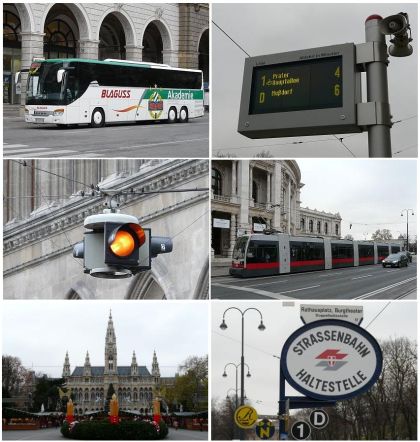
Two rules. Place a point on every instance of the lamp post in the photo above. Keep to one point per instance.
(236, 378)
(261, 327)
(402, 214)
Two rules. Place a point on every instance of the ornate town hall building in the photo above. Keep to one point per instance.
(134, 385)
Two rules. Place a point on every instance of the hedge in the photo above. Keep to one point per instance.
(104, 430)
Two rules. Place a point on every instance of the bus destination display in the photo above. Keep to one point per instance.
(296, 86)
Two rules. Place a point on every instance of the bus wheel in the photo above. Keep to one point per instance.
(98, 118)
(172, 115)
(183, 115)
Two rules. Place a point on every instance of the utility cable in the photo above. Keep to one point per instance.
(389, 302)
(341, 141)
(230, 38)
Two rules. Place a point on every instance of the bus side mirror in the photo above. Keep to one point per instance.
(60, 74)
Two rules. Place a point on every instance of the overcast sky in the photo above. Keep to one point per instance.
(397, 320)
(369, 194)
(261, 28)
(40, 332)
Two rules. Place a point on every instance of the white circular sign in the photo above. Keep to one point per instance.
(319, 419)
(331, 360)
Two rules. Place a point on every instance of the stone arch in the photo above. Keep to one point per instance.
(202, 288)
(82, 19)
(165, 35)
(26, 17)
(203, 58)
(79, 290)
(126, 22)
(146, 285)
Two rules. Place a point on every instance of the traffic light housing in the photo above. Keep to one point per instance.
(116, 246)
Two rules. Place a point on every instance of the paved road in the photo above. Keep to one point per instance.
(54, 434)
(366, 282)
(143, 140)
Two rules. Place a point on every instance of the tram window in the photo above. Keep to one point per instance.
(239, 250)
(365, 251)
(395, 249)
(342, 250)
(383, 250)
(306, 251)
(260, 252)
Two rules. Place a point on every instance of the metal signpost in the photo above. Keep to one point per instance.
(318, 91)
(326, 361)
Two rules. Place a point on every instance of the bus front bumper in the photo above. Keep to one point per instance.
(48, 118)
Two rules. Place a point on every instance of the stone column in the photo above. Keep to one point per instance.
(233, 193)
(171, 58)
(251, 170)
(268, 188)
(277, 196)
(232, 233)
(133, 52)
(89, 49)
(32, 46)
(243, 192)
(289, 207)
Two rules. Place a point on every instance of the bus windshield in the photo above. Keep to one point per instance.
(239, 250)
(43, 87)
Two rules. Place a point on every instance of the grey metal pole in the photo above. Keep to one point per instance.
(379, 135)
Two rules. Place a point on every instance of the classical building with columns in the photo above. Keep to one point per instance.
(253, 195)
(176, 34)
(47, 201)
(134, 385)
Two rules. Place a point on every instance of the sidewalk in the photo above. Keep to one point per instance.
(220, 266)
(11, 110)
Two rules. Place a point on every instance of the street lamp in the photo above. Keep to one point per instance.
(236, 378)
(402, 214)
(261, 327)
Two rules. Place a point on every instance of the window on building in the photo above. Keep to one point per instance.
(255, 191)
(11, 27)
(302, 224)
(216, 182)
(59, 41)
(326, 228)
(336, 229)
(318, 227)
(311, 226)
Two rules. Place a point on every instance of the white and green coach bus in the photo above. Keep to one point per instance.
(76, 91)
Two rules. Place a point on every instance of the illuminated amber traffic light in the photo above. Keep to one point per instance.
(123, 244)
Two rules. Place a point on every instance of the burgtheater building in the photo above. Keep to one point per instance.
(47, 201)
(176, 34)
(134, 385)
(253, 195)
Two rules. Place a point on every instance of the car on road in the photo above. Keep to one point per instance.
(408, 255)
(396, 260)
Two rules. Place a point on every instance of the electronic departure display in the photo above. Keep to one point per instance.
(303, 85)
(313, 91)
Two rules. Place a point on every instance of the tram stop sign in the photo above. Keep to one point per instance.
(245, 416)
(265, 429)
(300, 430)
(307, 92)
(319, 419)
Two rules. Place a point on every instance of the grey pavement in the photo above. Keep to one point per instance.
(365, 282)
(126, 140)
(54, 434)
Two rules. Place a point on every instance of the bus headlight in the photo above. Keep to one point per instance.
(58, 112)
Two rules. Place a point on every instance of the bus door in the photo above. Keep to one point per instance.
(284, 252)
(327, 253)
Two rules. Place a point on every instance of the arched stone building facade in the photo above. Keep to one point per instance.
(43, 218)
(176, 34)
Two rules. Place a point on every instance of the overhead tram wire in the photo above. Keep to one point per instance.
(389, 302)
(230, 38)
(341, 141)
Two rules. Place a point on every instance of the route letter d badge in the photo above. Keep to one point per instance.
(245, 416)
